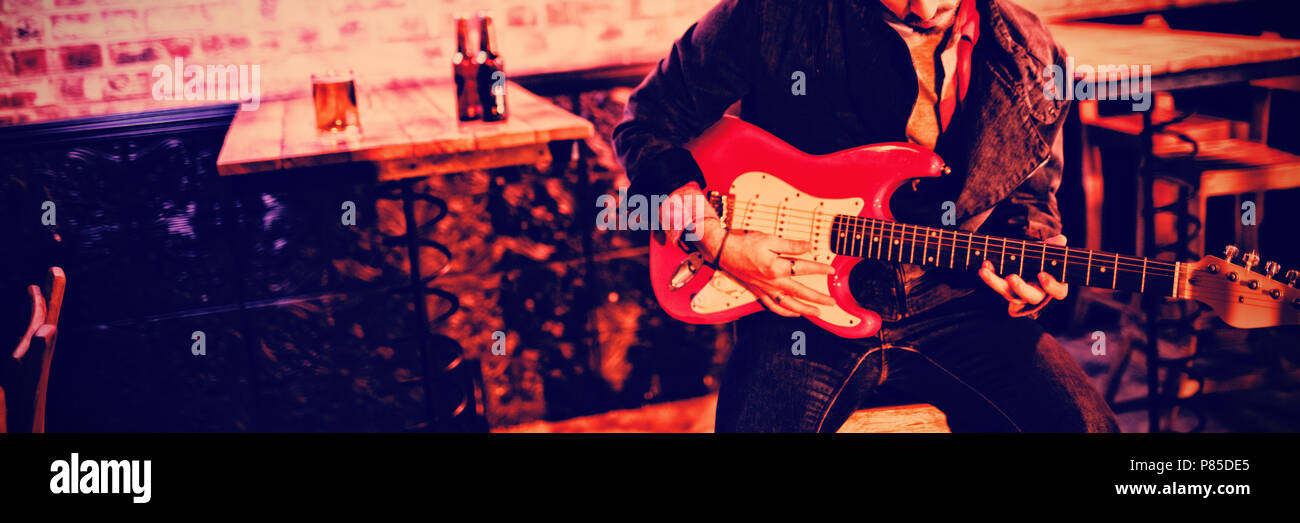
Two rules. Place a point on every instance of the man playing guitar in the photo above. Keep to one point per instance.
(960, 77)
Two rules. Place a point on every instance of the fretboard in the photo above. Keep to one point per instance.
(928, 246)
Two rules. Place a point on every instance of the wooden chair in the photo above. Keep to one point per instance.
(25, 373)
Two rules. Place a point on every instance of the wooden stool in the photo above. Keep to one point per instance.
(1235, 167)
(918, 417)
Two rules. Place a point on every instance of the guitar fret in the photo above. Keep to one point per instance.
(969, 248)
(884, 242)
(874, 239)
(855, 247)
(855, 233)
(867, 231)
(866, 238)
(952, 258)
(1003, 259)
(896, 238)
(1065, 262)
(1087, 279)
(1144, 276)
(848, 236)
(843, 233)
(1114, 276)
(911, 257)
(902, 237)
(888, 240)
(881, 241)
(925, 249)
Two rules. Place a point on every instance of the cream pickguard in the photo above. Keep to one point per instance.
(790, 222)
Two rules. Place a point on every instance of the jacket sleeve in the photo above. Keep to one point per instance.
(709, 68)
(1030, 210)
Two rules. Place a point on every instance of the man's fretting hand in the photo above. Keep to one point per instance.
(1025, 298)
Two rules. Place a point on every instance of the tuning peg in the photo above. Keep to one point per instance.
(1291, 277)
(1272, 268)
(1250, 260)
(1230, 252)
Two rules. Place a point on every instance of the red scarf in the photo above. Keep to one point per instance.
(967, 28)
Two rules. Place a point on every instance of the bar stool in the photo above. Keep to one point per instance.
(25, 374)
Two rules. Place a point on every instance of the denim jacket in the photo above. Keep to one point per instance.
(859, 84)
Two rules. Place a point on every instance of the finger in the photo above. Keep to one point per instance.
(1056, 240)
(998, 285)
(793, 305)
(803, 292)
(800, 307)
(805, 267)
(772, 306)
(1014, 307)
(1053, 287)
(1025, 291)
(784, 246)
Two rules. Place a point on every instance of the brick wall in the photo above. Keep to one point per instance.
(64, 58)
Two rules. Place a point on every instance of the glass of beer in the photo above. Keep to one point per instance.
(335, 96)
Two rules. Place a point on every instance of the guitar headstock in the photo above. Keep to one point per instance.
(1242, 297)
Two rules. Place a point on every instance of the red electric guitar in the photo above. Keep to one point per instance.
(840, 204)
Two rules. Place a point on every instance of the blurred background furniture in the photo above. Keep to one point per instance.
(1161, 167)
(25, 373)
(411, 133)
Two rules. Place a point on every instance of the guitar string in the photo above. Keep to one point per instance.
(1074, 255)
(938, 243)
(988, 248)
(1256, 300)
(859, 222)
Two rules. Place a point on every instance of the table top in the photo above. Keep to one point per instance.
(1167, 51)
(1061, 10)
(398, 124)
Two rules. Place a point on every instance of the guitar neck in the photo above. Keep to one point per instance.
(928, 246)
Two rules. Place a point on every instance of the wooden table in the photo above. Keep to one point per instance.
(1179, 59)
(409, 133)
(1062, 10)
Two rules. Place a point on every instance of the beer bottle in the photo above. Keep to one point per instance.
(491, 73)
(464, 70)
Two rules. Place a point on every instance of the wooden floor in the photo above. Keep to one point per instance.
(696, 416)
(684, 416)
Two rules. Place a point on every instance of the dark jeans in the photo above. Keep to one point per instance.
(987, 371)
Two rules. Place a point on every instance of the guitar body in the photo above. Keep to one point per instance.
(792, 195)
